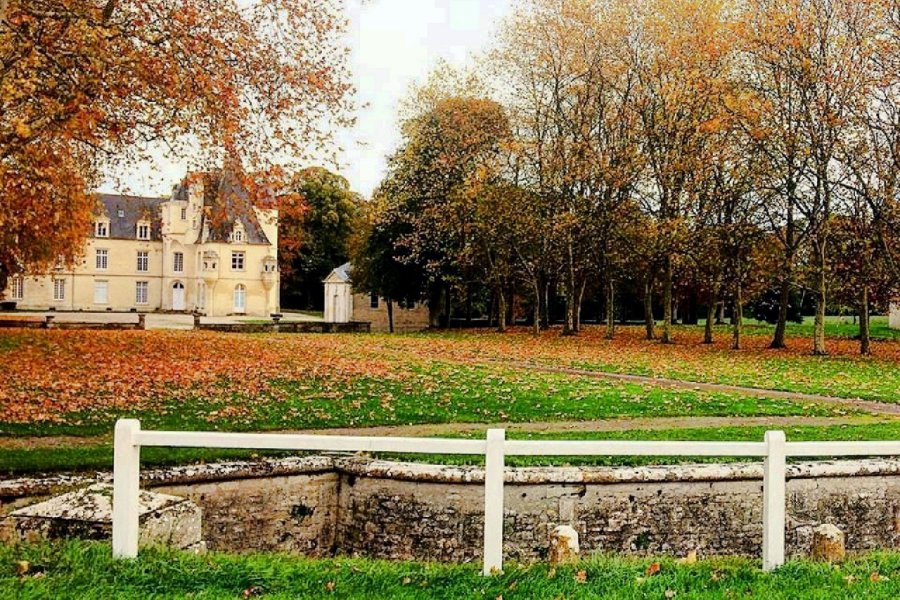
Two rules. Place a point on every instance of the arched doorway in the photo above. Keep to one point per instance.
(240, 298)
(178, 296)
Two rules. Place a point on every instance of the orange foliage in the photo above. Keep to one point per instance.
(90, 84)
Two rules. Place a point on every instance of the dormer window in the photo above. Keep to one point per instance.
(101, 229)
(237, 232)
(121, 213)
(143, 231)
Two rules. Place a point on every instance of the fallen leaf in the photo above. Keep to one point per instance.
(653, 569)
(581, 576)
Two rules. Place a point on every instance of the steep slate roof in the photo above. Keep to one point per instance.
(343, 272)
(226, 200)
(134, 209)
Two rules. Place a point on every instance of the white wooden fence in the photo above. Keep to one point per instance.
(774, 449)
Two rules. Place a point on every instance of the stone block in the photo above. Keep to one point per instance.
(87, 514)
(828, 543)
(564, 547)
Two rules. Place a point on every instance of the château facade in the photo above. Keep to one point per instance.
(207, 248)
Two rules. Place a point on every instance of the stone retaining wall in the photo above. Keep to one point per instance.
(350, 505)
(287, 327)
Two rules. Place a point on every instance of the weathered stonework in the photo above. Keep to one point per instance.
(87, 514)
(325, 505)
(295, 514)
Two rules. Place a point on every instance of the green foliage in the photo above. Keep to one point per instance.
(323, 233)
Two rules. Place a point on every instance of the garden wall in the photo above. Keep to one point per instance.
(325, 505)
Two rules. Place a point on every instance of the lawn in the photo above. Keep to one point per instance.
(86, 571)
(76, 383)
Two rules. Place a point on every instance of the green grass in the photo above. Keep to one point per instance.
(441, 393)
(99, 456)
(309, 313)
(835, 326)
(86, 571)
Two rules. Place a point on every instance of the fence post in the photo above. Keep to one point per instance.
(126, 488)
(493, 501)
(773, 501)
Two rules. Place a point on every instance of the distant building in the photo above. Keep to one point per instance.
(343, 305)
(894, 315)
(206, 248)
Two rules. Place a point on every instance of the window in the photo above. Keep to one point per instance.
(18, 288)
(373, 300)
(237, 261)
(143, 261)
(240, 298)
(184, 214)
(59, 290)
(101, 292)
(102, 260)
(141, 292)
(121, 213)
(101, 229)
(201, 294)
(143, 231)
(179, 262)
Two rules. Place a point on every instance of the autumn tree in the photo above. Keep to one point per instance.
(437, 182)
(379, 265)
(681, 53)
(570, 91)
(90, 85)
(811, 64)
(866, 260)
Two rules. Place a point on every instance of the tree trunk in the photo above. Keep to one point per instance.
(468, 305)
(710, 316)
(447, 307)
(819, 331)
(738, 320)
(864, 341)
(783, 303)
(536, 326)
(569, 324)
(578, 303)
(501, 310)
(666, 337)
(649, 323)
(545, 313)
(610, 309)
(390, 310)
(720, 313)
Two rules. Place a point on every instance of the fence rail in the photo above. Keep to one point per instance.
(774, 449)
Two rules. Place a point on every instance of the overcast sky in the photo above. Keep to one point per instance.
(395, 43)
